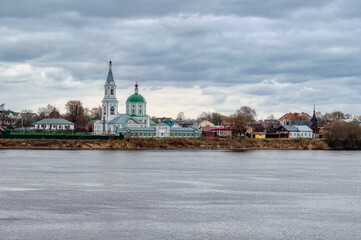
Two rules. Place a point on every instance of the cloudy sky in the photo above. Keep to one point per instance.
(208, 55)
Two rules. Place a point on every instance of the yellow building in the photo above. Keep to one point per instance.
(205, 123)
(258, 135)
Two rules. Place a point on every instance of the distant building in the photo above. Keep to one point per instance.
(205, 123)
(188, 123)
(295, 131)
(162, 119)
(27, 119)
(50, 124)
(290, 118)
(217, 131)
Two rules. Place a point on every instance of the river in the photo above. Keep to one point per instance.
(180, 194)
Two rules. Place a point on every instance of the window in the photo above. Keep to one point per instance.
(105, 111)
(140, 111)
(112, 110)
(112, 91)
(133, 111)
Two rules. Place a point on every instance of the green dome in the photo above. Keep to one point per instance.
(136, 98)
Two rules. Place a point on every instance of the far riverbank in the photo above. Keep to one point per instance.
(167, 144)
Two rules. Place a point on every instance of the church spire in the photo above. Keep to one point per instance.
(110, 73)
(136, 85)
(314, 118)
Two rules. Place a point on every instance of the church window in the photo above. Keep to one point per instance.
(111, 110)
(140, 111)
(133, 111)
(112, 91)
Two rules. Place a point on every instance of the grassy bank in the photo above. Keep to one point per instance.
(167, 143)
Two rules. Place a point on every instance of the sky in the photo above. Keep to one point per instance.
(274, 56)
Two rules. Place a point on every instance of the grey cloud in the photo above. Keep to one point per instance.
(187, 44)
(144, 8)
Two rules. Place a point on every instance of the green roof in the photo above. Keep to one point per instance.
(136, 98)
(169, 123)
(54, 121)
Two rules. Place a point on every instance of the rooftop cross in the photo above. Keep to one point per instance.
(136, 85)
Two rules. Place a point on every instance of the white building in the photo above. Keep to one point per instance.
(300, 131)
(50, 124)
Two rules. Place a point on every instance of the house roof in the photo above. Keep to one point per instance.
(290, 128)
(257, 127)
(303, 122)
(184, 129)
(292, 116)
(169, 123)
(187, 122)
(55, 121)
(123, 118)
(304, 128)
(207, 129)
(137, 129)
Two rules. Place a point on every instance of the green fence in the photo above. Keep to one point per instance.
(57, 136)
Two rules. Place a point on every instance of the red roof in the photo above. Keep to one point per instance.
(208, 129)
(293, 115)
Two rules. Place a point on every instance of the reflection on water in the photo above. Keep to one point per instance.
(180, 195)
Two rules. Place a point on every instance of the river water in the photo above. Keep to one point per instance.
(180, 195)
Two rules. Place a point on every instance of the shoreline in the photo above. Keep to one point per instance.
(236, 144)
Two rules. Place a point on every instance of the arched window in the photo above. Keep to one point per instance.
(133, 111)
(105, 111)
(111, 110)
(140, 111)
(112, 91)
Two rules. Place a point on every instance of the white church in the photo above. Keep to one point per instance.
(135, 122)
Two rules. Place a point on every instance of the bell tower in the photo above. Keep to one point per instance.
(110, 102)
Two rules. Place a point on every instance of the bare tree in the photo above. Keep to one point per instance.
(96, 113)
(76, 113)
(48, 112)
(271, 116)
(214, 117)
(243, 117)
(343, 135)
(181, 116)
